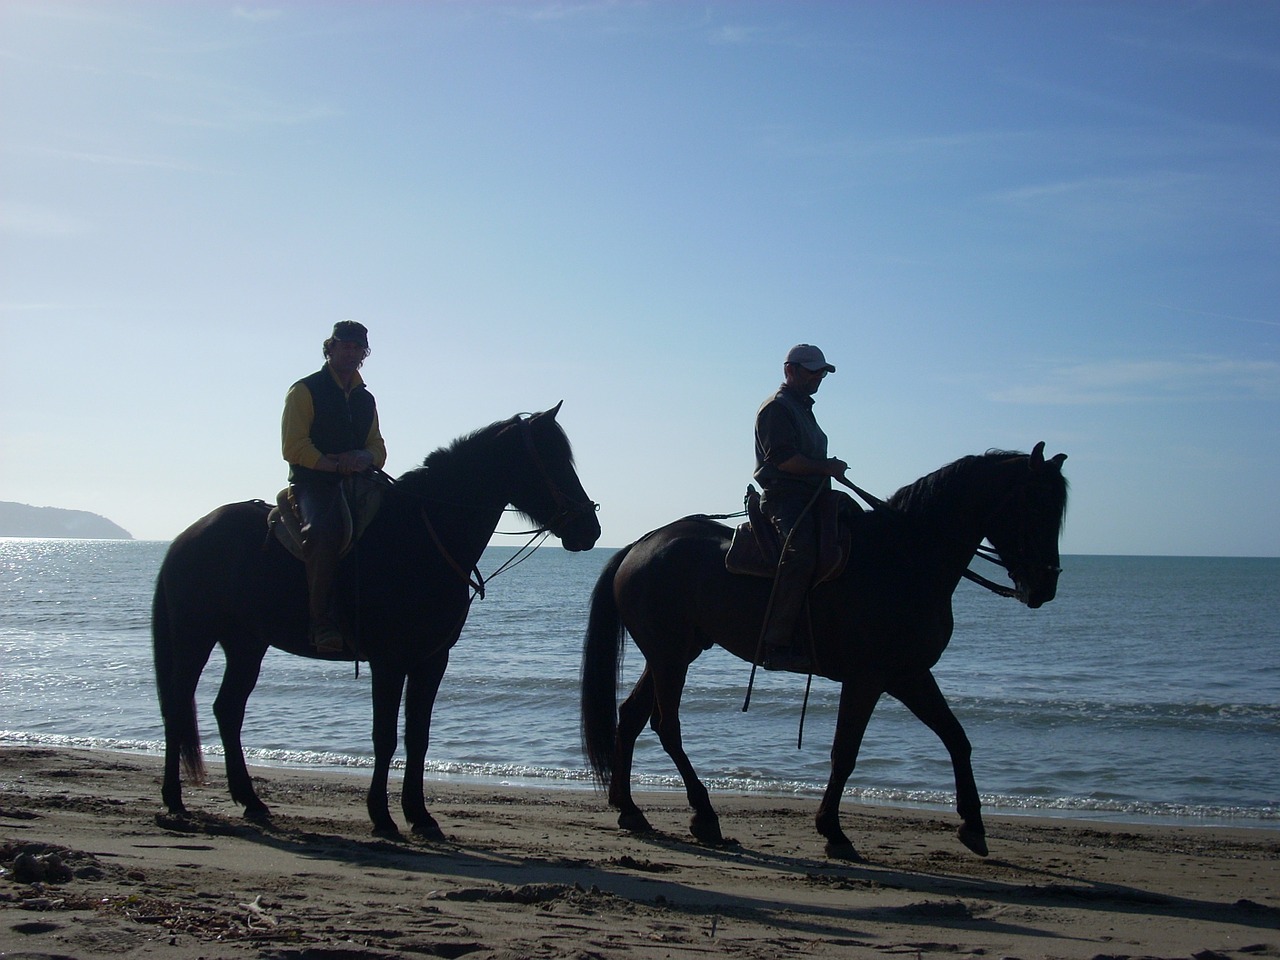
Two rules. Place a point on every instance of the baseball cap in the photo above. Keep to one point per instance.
(809, 357)
(351, 331)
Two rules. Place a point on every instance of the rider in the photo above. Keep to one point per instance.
(329, 432)
(792, 467)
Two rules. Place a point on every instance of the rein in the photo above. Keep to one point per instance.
(990, 555)
(476, 583)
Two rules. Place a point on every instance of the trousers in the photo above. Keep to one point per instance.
(797, 525)
(320, 506)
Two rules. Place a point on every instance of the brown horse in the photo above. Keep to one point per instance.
(225, 581)
(878, 628)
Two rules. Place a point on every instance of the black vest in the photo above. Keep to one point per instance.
(341, 423)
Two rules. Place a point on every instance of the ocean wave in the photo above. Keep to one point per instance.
(1102, 808)
(977, 710)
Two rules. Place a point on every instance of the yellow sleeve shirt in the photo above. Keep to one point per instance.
(295, 429)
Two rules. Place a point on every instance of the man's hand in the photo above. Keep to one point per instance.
(354, 461)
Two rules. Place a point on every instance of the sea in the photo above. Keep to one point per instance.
(1147, 691)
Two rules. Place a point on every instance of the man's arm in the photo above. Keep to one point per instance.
(295, 432)
(801, 466)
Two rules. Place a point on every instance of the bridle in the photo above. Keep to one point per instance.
(566, 510)
(990, 554)
(1019, 562)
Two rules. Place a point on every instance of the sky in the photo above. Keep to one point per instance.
(1004, 222)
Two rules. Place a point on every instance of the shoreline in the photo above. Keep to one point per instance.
(547, 873)
(1215, 817)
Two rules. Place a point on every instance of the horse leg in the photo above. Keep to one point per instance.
(238, 681)
(920, 695)
(171, 791)
(178, 676)
(633, 714)
(420, 697)
(857, 700)
(388, 688)
(181, 731)
(668, 686)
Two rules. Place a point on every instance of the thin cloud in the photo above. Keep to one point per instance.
(113, 159)
(29, 220)
(11, 307)
(730, 35)
(237, 116)
(942, 148)
(1093, 192)
(257, 14)
(1146, 381)
(1219, 316)
(1258, 58)
(562, 11)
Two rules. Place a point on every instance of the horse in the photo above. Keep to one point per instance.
(879, 627)
(226, 580)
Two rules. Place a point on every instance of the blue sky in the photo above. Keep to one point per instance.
(1004, 222)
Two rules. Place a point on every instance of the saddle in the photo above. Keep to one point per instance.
(285, 523)
(756, 547)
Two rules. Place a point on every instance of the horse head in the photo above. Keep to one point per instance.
(1026, 526)
(552, 494)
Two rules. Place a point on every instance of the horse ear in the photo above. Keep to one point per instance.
(554, 410)
(1058, 459)
(1037, 456)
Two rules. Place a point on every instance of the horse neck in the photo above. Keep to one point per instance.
(462, 502)
(951, 509)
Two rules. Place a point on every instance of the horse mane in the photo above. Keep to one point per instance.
(918, 497)
(914, 497)
(456, 462)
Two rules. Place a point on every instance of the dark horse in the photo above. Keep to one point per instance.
(226, 581)
(878, 628)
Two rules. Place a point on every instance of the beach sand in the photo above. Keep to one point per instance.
(547, 873)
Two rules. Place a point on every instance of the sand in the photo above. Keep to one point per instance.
(547, 873)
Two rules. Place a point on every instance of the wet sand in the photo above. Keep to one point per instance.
(93, 868)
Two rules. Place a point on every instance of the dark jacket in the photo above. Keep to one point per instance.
(342, 421)
(785, 426)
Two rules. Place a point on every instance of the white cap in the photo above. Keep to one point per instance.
(809, 357)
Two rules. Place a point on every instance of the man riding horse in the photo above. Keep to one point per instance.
(329, 433)
(793, 469)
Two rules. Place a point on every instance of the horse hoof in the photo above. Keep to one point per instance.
(843, 851)
(634, 822)
(179, 821)
(258, 813)
(707, 832)
(975, 840)
(429, 831)
(387, 831)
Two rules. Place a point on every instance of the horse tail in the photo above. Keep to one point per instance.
(601, 670)
(181, 727)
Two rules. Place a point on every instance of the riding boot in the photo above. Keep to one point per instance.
(321, 542)
(326, 636)
(785, 647)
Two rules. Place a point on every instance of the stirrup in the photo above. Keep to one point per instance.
(327, 638)
(788, 658)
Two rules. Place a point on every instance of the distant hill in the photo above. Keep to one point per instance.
(21, 520)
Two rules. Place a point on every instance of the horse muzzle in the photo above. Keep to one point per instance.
(577, 528)
(1038, 586)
